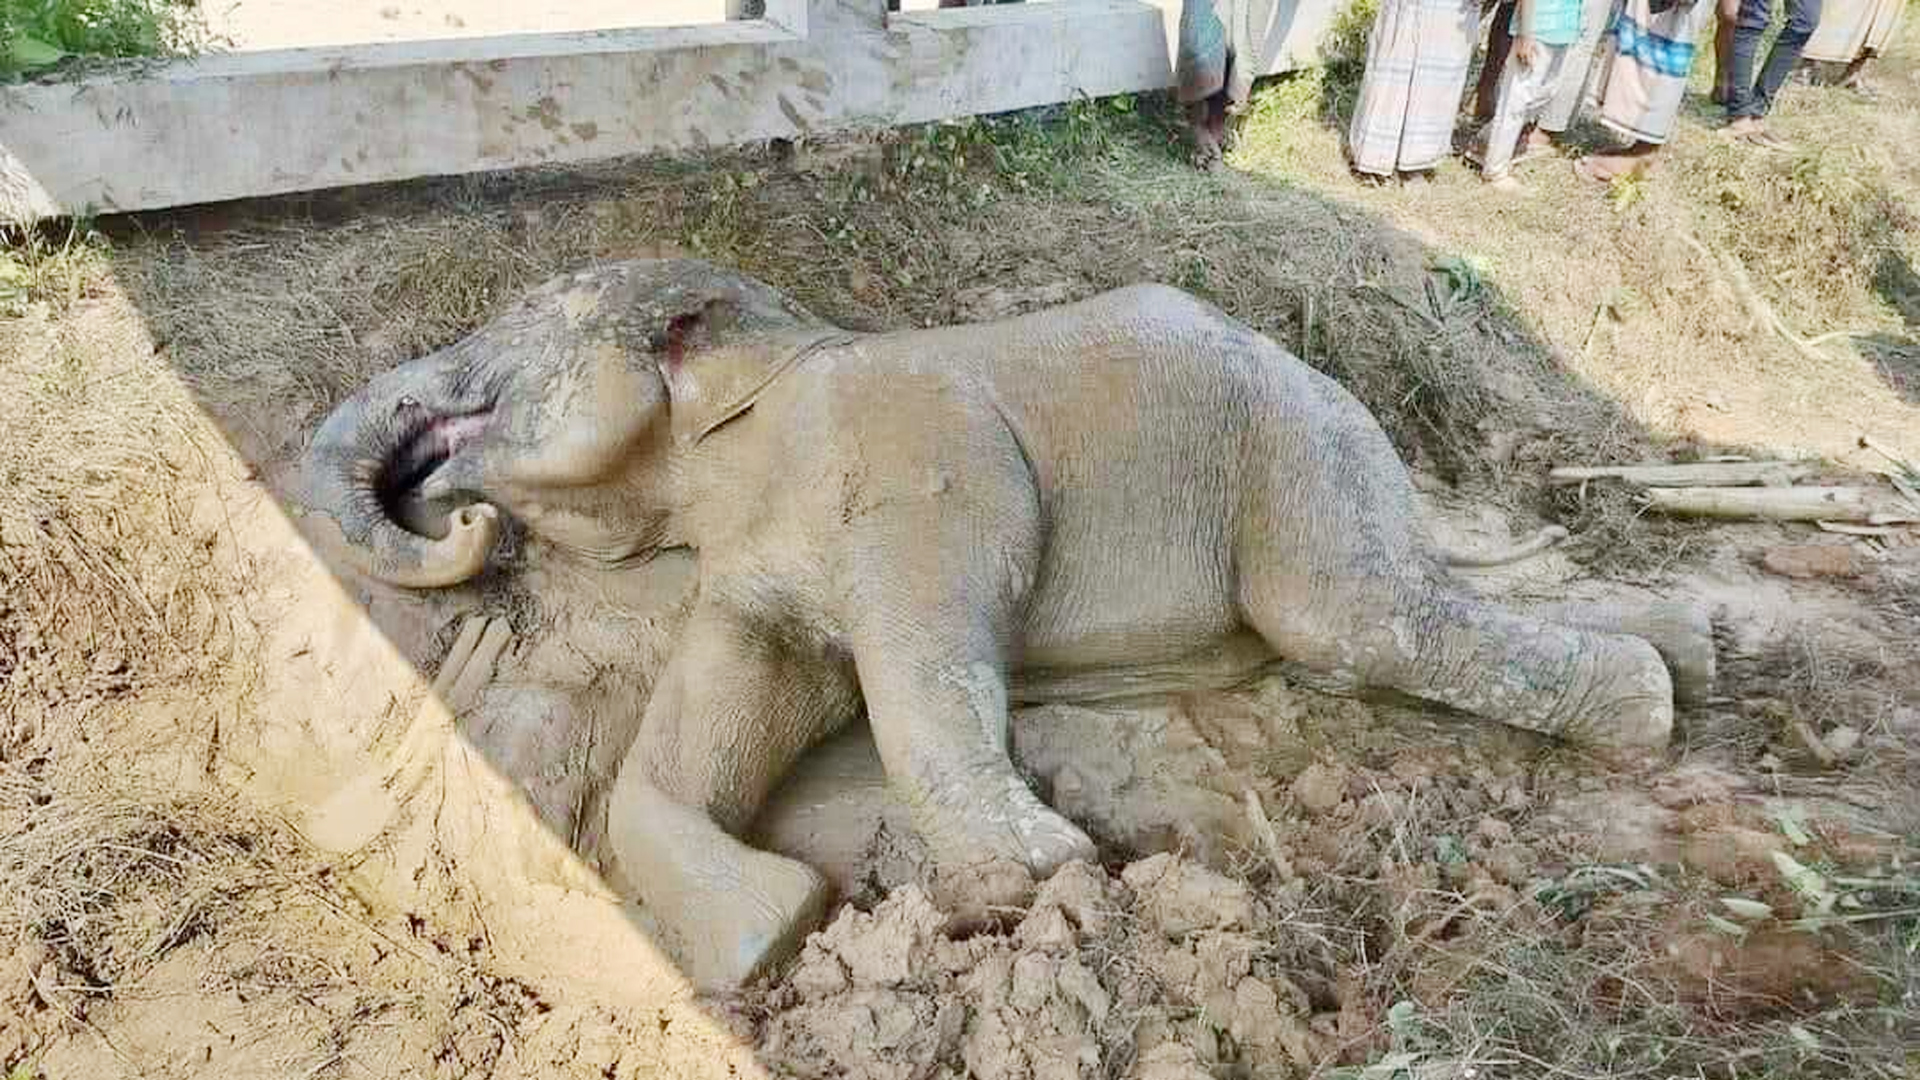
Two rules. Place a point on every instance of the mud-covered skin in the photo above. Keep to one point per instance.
(930, 521)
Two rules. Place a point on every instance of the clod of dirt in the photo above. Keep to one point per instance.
(1734, 856)
(981, 896)
(1320, 788)
(1182, 898)
(1047, 930)
(1766, 972)
(1492, 830)
(1171, 1061)
(1082, 893)
(888, 946)
(1163, 970)
(1814, 561)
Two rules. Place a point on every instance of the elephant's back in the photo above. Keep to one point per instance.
(1135, 407)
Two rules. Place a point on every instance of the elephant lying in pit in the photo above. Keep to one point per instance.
(1109, 497)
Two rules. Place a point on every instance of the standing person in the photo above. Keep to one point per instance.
(1569, 88)
(1219, 57)
(1542, 32)
(1726, 17)
(1576, 70)
(1853, 32)
(1749, 99)
(1486, 93)
(1417, 59)
(1640, 80)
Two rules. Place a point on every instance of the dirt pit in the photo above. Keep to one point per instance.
(243, 835)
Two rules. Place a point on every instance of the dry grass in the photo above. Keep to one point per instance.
(1574, 971)
(110, 881)
(97, 596)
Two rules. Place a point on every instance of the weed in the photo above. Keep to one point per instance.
(51, 268)
(37, 35)
(1343, 49)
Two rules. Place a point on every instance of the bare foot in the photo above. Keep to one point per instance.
(1506, 184)
(1535, 144)
(1753, 131)
(1606, 168)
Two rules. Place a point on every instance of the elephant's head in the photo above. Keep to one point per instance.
(567, 411)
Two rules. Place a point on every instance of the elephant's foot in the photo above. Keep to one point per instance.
(987, 814)
(1628, 702)
(1682, 632)
(731, 936)
(725, 912)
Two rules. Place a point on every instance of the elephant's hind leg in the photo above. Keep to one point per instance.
(1441, 645)
(730, 714)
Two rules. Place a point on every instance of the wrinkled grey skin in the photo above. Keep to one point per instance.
(1127, 494)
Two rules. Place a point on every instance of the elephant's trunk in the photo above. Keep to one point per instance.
(365, 465)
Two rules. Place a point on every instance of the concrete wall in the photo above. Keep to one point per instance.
(264, 123)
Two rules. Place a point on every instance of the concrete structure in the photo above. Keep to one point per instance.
(264, 123)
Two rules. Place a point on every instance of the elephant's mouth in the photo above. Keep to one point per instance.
(425, 442)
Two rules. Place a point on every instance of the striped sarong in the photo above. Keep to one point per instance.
(1577, 69)
(1223, 46)
(1849, 29)
(1641, 79)
(1417, 60)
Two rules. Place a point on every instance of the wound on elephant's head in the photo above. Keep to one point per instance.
(691, 331)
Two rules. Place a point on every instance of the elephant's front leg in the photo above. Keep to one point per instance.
(730, 714)
(938, 706)
(938, 593)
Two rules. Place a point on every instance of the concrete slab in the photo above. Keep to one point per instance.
(248, 124)
(259, 25)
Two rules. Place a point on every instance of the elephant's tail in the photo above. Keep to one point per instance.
(1538, 543)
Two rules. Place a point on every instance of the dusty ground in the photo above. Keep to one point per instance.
(240, 837)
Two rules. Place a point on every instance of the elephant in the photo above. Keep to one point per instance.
(1113, 496)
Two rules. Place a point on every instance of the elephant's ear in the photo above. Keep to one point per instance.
(717, 358)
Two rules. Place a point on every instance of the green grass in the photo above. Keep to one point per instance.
(54, 267)
(39, 35)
